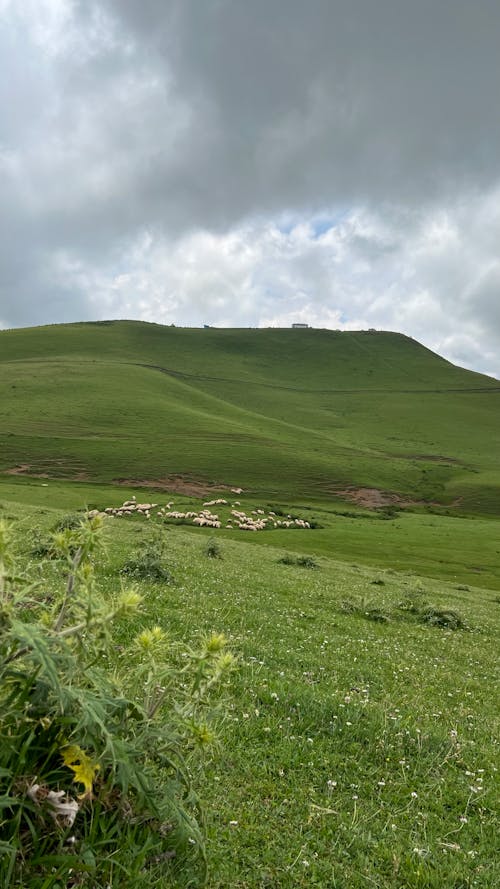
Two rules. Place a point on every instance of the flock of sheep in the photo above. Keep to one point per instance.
(237, 519)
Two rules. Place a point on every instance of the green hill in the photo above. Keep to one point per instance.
(359, 742)
(290, 413)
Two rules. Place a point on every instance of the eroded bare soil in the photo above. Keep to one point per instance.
(178, 484)
(373, 498)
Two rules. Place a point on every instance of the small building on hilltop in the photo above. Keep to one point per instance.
(300, 326)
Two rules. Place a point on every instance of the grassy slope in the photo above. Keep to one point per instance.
(457, 549)
(282, 412)
(355, 753)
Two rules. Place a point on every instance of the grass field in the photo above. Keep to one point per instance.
(446, 547)
(360, 744)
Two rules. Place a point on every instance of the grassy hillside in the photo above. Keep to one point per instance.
(360, 739)
(288, 413)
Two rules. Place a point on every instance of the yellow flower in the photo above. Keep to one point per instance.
(82, 765)
(150, 638)
(129, 601)
(215, 642)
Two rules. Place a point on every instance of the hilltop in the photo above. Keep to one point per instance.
(302, 413)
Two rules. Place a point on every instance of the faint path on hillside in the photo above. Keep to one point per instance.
(206, 379)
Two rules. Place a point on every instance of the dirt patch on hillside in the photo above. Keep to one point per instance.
(178, 485)
(373, 498)
(22, 469)
(27, 470)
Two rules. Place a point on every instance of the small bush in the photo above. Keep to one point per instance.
(44, 546)
(416, 608)
(388, 512)
(213, 549)
(306, 562)
(69, 522)
(148, 562)
(299, 561)
(446, 618)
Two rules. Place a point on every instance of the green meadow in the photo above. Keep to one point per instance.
(358, 740)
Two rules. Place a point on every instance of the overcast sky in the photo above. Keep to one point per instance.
(254, 163)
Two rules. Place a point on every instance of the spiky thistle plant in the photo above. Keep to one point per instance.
(94, 777)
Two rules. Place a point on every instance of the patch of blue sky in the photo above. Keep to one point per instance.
(319, 224)
(324, 223)
(287, 224)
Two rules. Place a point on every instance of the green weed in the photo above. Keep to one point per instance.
(70, 521)
(447, 618)
(299, 561)
(148, 562)
(213, 549)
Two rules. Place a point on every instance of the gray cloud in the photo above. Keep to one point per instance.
(244, 162)
(356, 100)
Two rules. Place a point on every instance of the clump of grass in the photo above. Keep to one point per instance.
(365, 608)
(377, 615)
(388, 512)
(378, 582)
(415, 607)
(148, 562)
(413, 603)
(213, 549)
(306, 562)
(68, 522)
(46, 546)
(42, 546)
(447, 618)
(299, 561)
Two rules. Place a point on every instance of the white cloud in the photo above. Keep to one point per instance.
(419, 275)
